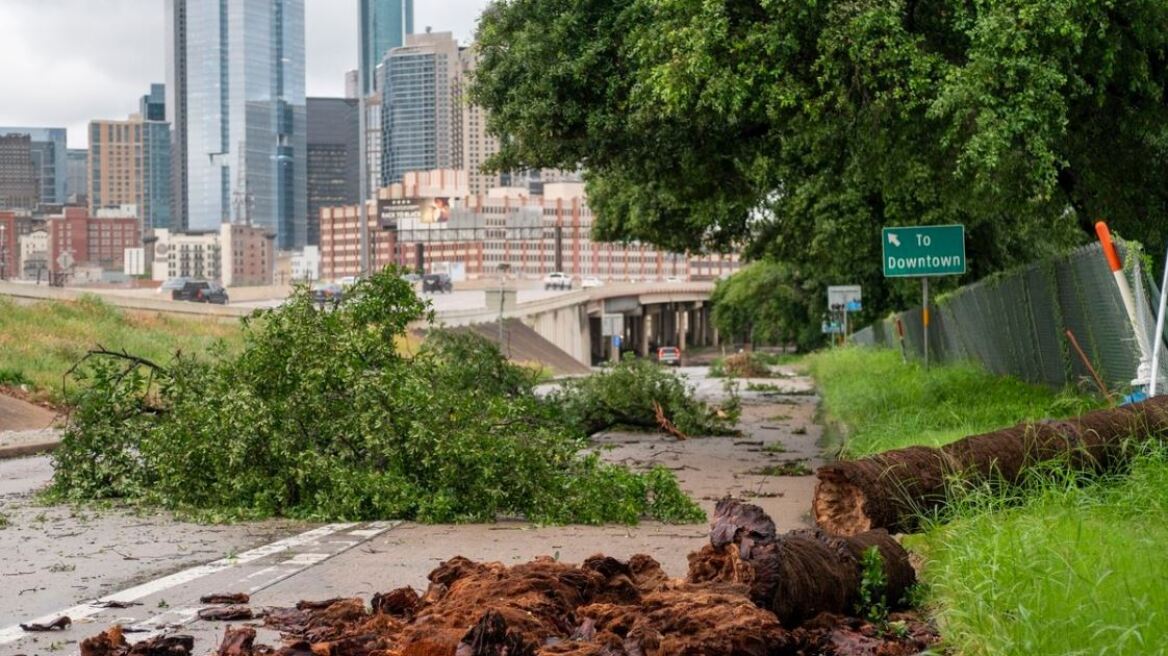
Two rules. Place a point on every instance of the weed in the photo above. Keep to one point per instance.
(774, 447)
(4, 521)
(873, 605)
(887, 404)
(57, 568)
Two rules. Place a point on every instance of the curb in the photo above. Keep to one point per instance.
(25, 450)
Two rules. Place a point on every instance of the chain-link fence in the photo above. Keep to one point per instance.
(1017, 323)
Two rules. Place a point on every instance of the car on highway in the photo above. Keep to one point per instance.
(433, 283)
(327, 292)
(200, 291)
(557, 280)
(172, 284)
(590, 282)
(669, 355)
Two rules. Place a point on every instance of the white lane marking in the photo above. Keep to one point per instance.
(305, 559)
(81, 611)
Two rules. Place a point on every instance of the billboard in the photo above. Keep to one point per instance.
(393, 212)
(435, 210)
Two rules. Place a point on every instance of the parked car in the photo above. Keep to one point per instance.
(327, 292)
(673, 279)
(201, 291)
(433, 283)
(669, 355)
(591, 282)
(557, 281)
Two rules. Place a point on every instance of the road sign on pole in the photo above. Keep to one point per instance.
(920, 251)
(844, 295)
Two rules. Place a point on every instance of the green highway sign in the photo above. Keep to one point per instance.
(924, 251)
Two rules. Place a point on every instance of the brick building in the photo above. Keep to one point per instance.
(89, 241)
(530, 235)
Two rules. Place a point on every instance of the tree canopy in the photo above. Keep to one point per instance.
(798, 129)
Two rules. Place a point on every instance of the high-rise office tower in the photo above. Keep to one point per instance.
(49, 157)
(19, 188)
(418, 110)
(333, 172)
(129, 163)
(385, 25)
(77, 175)
(352, 85)
(235, 84)
(473, 145)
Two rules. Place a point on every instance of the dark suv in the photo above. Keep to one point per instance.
(200, 291)
(437, 282)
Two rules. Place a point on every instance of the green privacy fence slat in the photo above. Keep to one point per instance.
(1016, 323)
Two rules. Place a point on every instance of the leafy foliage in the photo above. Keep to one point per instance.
(763, 302)
(320, 416)
(625, 396)
(801, 128)
(873, 604)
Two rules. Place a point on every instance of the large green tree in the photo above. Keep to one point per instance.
(799, 128)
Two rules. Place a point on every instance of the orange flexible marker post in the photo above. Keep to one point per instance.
(1108, 246)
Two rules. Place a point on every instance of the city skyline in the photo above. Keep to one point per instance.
(105, 53)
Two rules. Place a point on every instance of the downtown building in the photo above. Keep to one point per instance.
(479, 235)
(48, 156)
(418, 108)
(333, 156)
(129, 163)
(236, 103)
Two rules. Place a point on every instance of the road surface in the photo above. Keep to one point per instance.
(58, 559)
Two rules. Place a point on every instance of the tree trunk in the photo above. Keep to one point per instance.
(893, 490)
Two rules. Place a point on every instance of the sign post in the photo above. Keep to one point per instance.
(923, 252)
(844, 299)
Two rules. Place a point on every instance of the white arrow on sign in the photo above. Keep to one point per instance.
(893, 239)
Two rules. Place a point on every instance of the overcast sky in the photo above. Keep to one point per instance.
(66, 62)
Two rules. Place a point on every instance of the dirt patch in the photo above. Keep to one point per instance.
(20, 415)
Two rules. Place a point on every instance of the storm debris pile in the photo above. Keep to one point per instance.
(893, 490)
(750, 592)
(797, 575)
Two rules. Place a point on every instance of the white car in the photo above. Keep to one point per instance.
(591, 282)
(557, 281)
(673, 279)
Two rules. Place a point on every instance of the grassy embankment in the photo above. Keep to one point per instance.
(39, 343)
(1064, 565)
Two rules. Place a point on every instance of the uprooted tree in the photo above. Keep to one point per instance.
(322, 416)
(896, 489)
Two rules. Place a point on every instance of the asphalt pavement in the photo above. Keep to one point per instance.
(77, 562)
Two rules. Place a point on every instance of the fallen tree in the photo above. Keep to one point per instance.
(603, 607)
(893, 490)
(321, 415)
(640, 394)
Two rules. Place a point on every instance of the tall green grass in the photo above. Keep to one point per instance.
(40, 342)
(885, 404)
(1064, 565)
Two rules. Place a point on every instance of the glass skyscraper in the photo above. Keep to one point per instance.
(386, 24)
(236, 103)
(417, 106)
